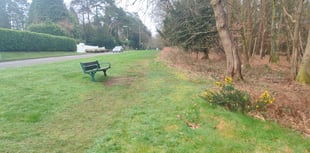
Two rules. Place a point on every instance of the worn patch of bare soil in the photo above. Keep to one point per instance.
(292, 105)
(125, 80)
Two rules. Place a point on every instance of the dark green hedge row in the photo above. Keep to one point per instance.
(14, 41)
(47, 28)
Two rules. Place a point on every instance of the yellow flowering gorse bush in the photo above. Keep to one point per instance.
(264, 99)
(226, 95)
(228, 80)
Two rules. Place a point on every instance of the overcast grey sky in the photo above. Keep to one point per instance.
(141, 8)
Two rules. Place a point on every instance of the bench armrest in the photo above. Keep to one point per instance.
(105, 64)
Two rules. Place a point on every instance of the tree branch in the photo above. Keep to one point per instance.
(286, 13)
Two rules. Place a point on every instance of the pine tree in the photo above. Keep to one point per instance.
(47, 11)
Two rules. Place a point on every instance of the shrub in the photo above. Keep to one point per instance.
(233, 99)
(47, 28)
(13, 40)
(264, 100)
(227, 96)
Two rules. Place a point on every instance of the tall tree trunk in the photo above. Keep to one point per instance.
(84, 26)
(304, 70)
(294, 59)
(286, 19)
(232, 57)
(248, 32)
(230, 13)
(274, 57)
(88, 11)
(263, 28)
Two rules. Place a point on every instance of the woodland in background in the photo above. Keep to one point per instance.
(94, 22)
(252, 27)
(271, 39)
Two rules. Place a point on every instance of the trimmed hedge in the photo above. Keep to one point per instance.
(47, 28)
(14, 41)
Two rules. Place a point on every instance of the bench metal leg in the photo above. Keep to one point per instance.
(105, 72)
(93, 77)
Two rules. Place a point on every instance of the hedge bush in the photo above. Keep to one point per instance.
(47, 28)
(14, 41)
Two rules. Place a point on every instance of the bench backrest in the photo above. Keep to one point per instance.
(86, 66)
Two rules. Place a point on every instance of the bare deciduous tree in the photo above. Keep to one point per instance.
(304, 70)
(232, 57)
(263, 27)
(294, 60)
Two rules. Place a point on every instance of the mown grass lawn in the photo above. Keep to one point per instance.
(142, 106)
(8, 56)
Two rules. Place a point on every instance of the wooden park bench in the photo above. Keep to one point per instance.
(93, 67)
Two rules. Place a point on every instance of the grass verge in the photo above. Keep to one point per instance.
(142, 106)
(9, 56)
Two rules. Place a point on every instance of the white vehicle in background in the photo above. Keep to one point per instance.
(118, 49)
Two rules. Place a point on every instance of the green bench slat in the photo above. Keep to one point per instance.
(92, 67)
